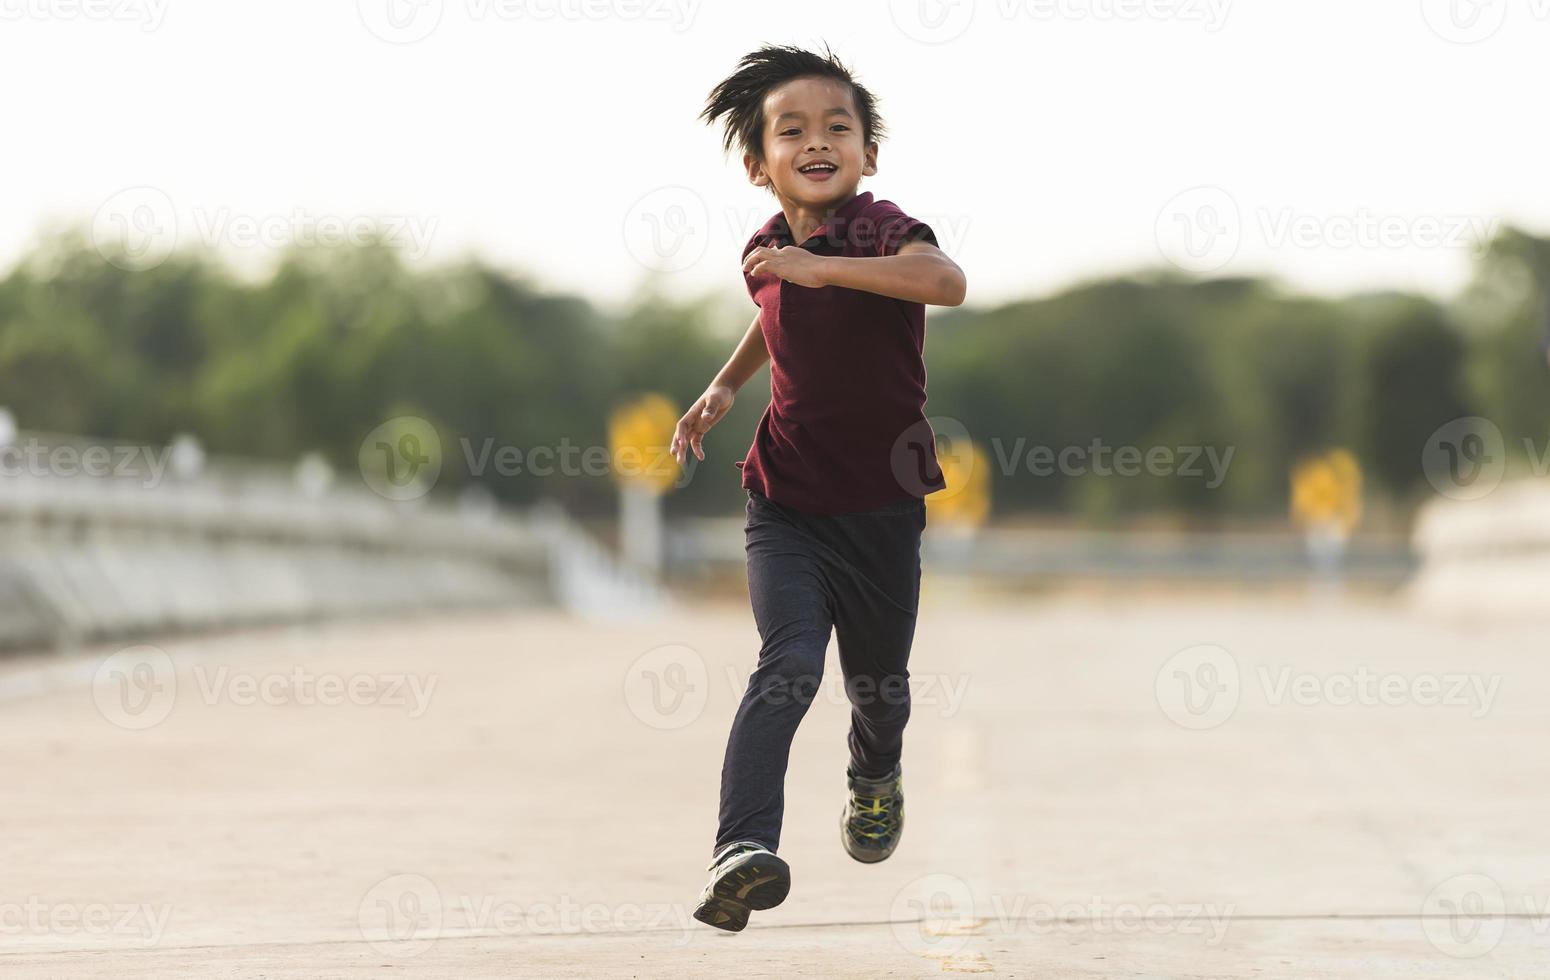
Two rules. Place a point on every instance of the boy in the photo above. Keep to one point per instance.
(841, 462)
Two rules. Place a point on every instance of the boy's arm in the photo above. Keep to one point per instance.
(746, 359)
(919, 273)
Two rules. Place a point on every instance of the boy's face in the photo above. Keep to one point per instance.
(808, 121)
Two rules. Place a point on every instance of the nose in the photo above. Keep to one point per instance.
(819, 142)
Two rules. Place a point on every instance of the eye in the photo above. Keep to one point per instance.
(790, 131)
(839, 126)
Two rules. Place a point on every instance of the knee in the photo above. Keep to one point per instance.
(789, 673)
(881, 700)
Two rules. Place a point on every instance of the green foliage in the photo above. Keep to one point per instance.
(336, 341)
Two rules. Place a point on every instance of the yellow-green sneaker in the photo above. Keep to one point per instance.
(873, 817)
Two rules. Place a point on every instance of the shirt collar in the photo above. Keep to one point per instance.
(776, 230)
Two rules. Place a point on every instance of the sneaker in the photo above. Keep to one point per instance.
(873, 817)
(744, 876)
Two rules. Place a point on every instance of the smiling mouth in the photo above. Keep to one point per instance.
(818, 171)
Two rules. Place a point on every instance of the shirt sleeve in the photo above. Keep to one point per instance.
(889, 228)
(753, 290)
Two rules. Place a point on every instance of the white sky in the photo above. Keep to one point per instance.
(1045, 146)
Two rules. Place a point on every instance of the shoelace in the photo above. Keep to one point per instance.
(865, 821)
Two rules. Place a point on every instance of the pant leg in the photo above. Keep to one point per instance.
(875, 613)
(789, 589)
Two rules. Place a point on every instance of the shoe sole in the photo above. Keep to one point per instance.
(868, 857)
(755, 883)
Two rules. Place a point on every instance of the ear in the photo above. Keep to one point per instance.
(869, 160)
(756, 174)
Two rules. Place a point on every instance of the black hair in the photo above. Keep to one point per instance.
(739, 98)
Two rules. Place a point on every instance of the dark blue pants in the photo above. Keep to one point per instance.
(858, 574)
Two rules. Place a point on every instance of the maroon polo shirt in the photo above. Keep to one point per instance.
(845, 429)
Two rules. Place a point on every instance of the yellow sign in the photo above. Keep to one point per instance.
(640, 435)
(966, 498)
(1327, 489)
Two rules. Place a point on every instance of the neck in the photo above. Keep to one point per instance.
(805, 219)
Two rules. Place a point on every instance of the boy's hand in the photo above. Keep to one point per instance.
(792, 263)
(710, 409)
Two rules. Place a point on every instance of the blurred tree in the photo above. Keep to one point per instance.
(334, 342)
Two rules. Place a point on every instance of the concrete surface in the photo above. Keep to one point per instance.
(1097, 787)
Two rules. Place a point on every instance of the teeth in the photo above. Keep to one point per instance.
(818, 166)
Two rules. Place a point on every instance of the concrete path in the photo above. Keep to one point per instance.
(1159, 787)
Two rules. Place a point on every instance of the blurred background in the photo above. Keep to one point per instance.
(316, 312)
(1198, 267)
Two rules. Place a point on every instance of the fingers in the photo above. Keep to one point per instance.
(684, 429)
(758, 261)
(691, 429)
(709, 416)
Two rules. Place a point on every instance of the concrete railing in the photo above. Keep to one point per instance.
(1063, 554)
(129, 551)
(1486, 557)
